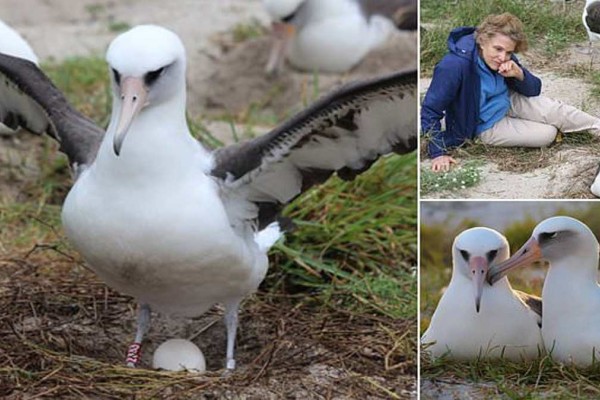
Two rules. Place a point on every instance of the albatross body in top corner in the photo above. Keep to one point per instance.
(12, 43)
(333, 35)
(591, 20)
(571, 295)
(181, 228)
(475, 320)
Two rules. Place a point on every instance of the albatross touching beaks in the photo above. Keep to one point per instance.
(571, 295)
(333, 35)
(158, 216)
(475, 320)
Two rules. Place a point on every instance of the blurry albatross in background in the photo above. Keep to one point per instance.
(591, 22)
(13, 44)
(157, 215)
(333, 35)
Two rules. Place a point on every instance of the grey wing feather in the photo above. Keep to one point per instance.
(344, 132)
(402, 12)
(533, 302)
(29, 99)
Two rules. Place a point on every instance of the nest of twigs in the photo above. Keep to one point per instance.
(64, 335)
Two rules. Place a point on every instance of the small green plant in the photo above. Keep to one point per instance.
(247, 30)
(95, 10)
(118, 26)
(461, 177)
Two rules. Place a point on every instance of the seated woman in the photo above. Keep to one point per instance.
(484, 92)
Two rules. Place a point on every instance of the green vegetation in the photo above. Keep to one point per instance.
(461, 177)
(248, 30)
(85, 82)
(357, 239)
(118, 26)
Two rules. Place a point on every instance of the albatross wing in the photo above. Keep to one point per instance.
(344, 132)
(30, 100)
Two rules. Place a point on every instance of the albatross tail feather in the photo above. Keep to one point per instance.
(268, 236)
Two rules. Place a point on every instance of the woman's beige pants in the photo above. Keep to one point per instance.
(535, 121)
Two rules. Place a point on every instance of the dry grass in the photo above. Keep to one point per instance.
(64, 334)
(519, 159)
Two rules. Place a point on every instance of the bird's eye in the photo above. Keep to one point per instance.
(546, 236)
(117, 76)
(465, 254)
(288, 18)
(491, 255)
(152, 76)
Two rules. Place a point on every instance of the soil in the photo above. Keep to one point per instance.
(64, 332)
(571, 169)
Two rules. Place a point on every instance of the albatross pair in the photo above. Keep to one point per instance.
(333, 35)
(505, 326)
(158, 216)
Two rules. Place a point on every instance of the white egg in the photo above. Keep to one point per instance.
(596, 186)
(179, 355)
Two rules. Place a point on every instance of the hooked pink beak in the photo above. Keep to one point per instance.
(282, 34)
(133, 98)
(527, 254)
(479, 269)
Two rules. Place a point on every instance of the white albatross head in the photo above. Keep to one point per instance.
(147, 66)
(553, 240)
(473, 251)
(282, 9)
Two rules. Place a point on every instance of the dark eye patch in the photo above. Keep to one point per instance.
(491, 255)
(546, 236)
(117, 76)
(288, 18)
(465, 254)
(152, 76)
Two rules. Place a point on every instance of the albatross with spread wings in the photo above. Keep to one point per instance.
(158, 216)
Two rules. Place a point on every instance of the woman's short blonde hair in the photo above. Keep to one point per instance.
(505, 24)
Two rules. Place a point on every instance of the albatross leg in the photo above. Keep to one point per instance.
(231, 324)
(143, 324)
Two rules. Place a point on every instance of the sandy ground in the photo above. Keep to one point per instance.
(571, 170)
